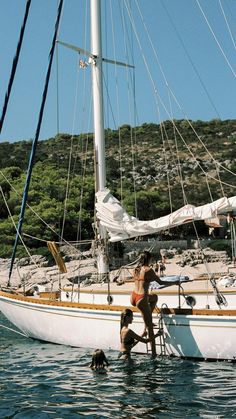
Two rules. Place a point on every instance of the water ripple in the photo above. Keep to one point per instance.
(44, 381)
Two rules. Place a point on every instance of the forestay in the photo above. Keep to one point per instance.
(120, 225)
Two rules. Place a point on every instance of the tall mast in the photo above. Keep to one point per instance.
(97, 85)
(99, 140)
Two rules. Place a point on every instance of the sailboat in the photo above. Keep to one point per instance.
(91, 319)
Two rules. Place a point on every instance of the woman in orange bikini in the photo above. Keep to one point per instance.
(141, 299)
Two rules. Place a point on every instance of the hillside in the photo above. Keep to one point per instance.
(144, 168)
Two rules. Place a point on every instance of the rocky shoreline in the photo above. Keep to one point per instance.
(38, 271)
(81, 268)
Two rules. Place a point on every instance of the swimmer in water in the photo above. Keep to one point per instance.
(99, 360)
(128, 338)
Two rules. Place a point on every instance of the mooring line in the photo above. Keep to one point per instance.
(13, 330)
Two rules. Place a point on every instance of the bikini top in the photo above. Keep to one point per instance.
(140, 277)
(145, 275)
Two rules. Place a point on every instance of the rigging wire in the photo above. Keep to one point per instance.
(219, 297)
(57, 72)
(13, 222)
(227, 24)
(233, 240)
(14, 65)
(117, 102)
(70, 173)
(163, 137)
(109, 103)
(13, 330)
(176, 101)
(46, 241)
(166, 164)
(34, 144)
(130, 79)
(215, 38)
(69, 176)
(48, 226)
(190, 59)
(130, 75)
(84, 139)
(156, 92)
(83, 175)
(170, 90)
(57, 100)
(177, 154)
(57, 90)
(201, 81)
(208, 187)
(20, 236)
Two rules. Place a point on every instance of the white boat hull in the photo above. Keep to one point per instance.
(171, 299)
(63, 325)
(192, 335)
(201, 336)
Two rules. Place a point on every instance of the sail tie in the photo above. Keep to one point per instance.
(57, 257)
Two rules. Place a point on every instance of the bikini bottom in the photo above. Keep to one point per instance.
(135, 297)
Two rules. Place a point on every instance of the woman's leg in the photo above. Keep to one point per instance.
(152, 301)
(144, 307)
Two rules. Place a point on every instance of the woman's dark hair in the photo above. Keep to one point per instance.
(98, 359)
(145, 258)
(126, 313)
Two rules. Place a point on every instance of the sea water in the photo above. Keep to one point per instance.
(40, 380)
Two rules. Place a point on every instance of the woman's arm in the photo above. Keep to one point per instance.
(144, 340)
(152, 276)
(138, 338)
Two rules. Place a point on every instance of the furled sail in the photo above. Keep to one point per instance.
(121, 226)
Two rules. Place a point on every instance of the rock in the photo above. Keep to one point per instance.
(23, 262)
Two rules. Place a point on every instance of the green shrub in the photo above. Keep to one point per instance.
(221, 245)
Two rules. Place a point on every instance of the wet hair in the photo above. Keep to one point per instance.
(145, 258)
(99, 360)
(126, 313)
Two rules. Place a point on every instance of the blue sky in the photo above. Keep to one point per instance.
(198, 68)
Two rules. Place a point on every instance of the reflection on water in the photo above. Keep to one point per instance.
(40, 380)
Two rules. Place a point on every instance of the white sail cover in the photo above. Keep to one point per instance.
(121, 226)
